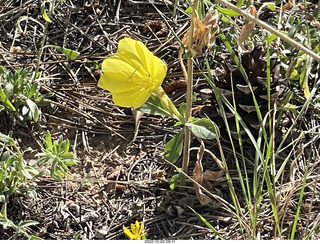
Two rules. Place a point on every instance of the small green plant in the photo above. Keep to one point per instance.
(21, 228)
(19, 94)
(57, 154)
(14, 173)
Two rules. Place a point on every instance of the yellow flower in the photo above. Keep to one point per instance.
(136, 231)
(132, 74)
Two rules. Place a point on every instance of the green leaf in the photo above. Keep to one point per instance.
(66, 146)
(155, 106)
(189, 10)
(6, 101)
(44, 12)
(77, 235)
(48, 141)
(70, 163)
(2, 172)
(271, 38)
(268, 5)
(33, 90)
(203, 128)
(304, 82)
(33, 109)
(271, 6)
(27, 223)
(226, 11)
(4, 211)
(239, 3)
(66, 51)
(173, 148)
(35, 238)
(187, 55)
(174, 181)
(183, 109)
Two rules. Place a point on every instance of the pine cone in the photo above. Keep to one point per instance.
(255, 65)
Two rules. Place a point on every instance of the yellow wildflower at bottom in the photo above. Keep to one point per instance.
(136, 231)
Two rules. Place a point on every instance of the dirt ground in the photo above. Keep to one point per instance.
(117, 180)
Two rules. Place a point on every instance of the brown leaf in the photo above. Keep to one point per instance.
(198, 177)
(115, 173)
(202, 35)
(246, 29)
(212, 175)
(120, 187)
(288, 5)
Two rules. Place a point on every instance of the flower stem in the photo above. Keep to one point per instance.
(189, 79)
(160, 93)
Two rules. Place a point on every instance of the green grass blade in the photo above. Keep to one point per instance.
(207, 224)
(296, 218)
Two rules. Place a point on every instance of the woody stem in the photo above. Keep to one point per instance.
(189, 79)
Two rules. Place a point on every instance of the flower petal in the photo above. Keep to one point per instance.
(128, 233)
(127, 51)
(156, 68)
(131, 98)
(116, 75)
(140, 227)
(137, 54)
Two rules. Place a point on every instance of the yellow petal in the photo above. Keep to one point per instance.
(140, 227)
(128, 233)
(137, 54)
(136, 229)
(127, 51)
(117, 75)
(155, 66)
(131, 98)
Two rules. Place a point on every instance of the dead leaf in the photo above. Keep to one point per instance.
(212, 175)
(120, 187)
(137, 116)
(159, 174)
(202, 34)
(115, 174)
(198, 177)
(245, 31)
(288, 5)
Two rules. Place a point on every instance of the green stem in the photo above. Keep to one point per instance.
(43, 41)
(160, 93)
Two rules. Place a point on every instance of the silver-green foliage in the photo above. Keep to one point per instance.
(19, 94)
(20, 229)
(58, 156)
(14, 173)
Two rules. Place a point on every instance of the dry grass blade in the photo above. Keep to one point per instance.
(198, 177)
